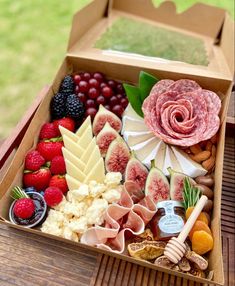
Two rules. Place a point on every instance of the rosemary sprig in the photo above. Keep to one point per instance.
(18, 193)
(191, 194)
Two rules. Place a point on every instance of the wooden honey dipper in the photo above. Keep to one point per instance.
(175, 248)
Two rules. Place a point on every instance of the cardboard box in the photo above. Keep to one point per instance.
(127, 70)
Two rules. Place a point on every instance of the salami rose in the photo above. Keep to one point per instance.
(181, 112)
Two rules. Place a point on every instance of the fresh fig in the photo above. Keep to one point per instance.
(103, 115)
(157, 185)
(117, 156)
(177, 184)
(105, 137)
(136, 172)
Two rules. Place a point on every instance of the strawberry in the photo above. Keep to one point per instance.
(53, 196)
(24, 208)
(66, 122)
(50, 149)
(59, 182)
(34, 160)
(39, 179)
(48, 131)
(58, 165)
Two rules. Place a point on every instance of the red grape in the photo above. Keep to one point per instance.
(103, 84)
(119, 96)
(120, 88)
(94, 83)
(113, 100)
(107, 107)
(124, 102)
(90, 103)
(112, 83)
(107, 91)
(91, 111)
(93, 93)
(86, 76)
(77, 89)
(77, 78)
(98, 76)
(100, 100)
(84, 86)
(81, 96)
(118, 110)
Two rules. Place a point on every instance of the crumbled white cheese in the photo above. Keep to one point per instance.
(113, 179)
(95, 213)
(75, 209)
(78, 225)
(97, 190)
(69, 234)
(79, 194)
(112, 195)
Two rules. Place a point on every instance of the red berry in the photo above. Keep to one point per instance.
(98, 76)
(77, 89)
(94, 83)
(103, 84)
(107, 91)
(118, 110)
(90, 103)
(59, 182)
(24, 208)
(77, 78)
(53, 196)
(48, 131)
(91, 111)
(119, 96)
(93, 93)
(39, 179)
(82, 97)
(124, 102)
(100, 100)
(107, 107)
(112, 84)
(86, 76)
(83, 86)
(66, 122)
(58, 165)
(50, 149)
(113, 100)
(119, 88)
(34, 160)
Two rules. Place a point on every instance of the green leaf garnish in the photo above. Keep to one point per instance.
(191, 195)
(136, 95)
(18, 193)
(146, 82)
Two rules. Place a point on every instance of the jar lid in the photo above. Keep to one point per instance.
(164, 204)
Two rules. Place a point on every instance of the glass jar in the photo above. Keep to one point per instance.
(168, 221)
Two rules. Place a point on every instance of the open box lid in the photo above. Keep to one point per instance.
(212, 25)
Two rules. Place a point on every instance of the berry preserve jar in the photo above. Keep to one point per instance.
(168, 221)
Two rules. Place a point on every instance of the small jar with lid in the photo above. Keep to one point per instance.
(168, 221)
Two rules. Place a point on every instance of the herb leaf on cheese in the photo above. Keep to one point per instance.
(146, 82)
(133, 95)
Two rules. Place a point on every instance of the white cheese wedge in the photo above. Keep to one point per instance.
(68, 133)
(84, 126)
(97, 173)
(152, 155)
(143, 144)
(73, 147)
(72, 183)
(189, 167)
(160, 156)
(126, 134)
(131, 124)
(87, 153)
(129, 111)
(74, 171)
(167, 161)
(73, 159)
(148, 152)
(175, 165)
(94, 158)
(86, 138)
(134, 140)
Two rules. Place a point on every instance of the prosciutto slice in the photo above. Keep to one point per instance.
(126, 216)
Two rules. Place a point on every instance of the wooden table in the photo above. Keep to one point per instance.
(30, 260)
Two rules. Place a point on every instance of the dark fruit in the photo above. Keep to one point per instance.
(83, 86)
(91, 111)
(67, 85)
(82, 97)
(113, 100)
(103, 84)
(74, 107)
(112, 84)
(77, 78)
(94, 83)
(86, 76)
(120, 89)
(100, 100)
(119, 96)
(107, 107)
(90, 103)
(124, 102)
(107, 91)
(98, 76)
(118, 110)
(77, 89)
(93, 93)
(58, 106)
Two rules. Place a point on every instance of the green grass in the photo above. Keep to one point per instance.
(34, 37)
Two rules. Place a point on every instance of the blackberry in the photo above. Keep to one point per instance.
(67, 86)
(58, 106)
(74, 107)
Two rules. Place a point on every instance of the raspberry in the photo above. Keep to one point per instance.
(34, 160)
(59, 182)
(48, 131)
(53, 196)
(58, 165)
(24, 208)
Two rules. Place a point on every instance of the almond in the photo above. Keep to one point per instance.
(195, 149)
(214, 139)
(202, 156)
(213, 151)
(208, 145)
(209, 163)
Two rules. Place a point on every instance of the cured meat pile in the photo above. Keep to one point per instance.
(181, 112)
(127, 215)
